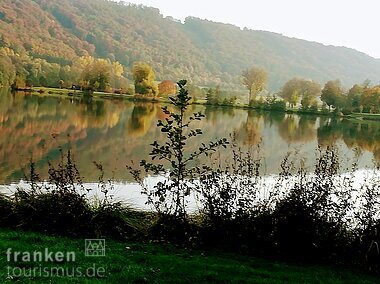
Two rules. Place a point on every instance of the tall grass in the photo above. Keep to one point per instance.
(60, 206)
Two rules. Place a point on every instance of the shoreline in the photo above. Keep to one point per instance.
(54, 92)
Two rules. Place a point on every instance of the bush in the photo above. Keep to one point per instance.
(55, 213)
(301, 232)
(60, 206)
(277, 105)
(306, 216)
(174, 229)
(111, 219)
(6, 214)
(270, 103)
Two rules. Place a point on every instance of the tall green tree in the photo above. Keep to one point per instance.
(213, 96)
(332, 93)
(144, 77)
(255, 80)
(354, 97)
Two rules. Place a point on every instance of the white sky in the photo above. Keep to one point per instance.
(350, 23)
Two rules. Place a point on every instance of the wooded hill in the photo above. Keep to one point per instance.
(205, 52)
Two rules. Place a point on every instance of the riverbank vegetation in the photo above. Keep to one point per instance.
(305, 96)
(324, 214)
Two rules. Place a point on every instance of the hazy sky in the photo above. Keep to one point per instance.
(351, 23)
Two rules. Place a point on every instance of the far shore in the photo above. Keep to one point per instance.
(106, 95)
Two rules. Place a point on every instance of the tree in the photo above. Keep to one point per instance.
(370, 100)
(213, 96)
(195, 91)
(297, 88)
(117, 69)
(66, 76)
(310, 90)
(98, 75)
(290, 92)
(7, 72)
(332, 93)
(20, 80)
(354, 97)
(144, 78)
(255, 79)
(167, 87)
(174, 158)
(118, 82)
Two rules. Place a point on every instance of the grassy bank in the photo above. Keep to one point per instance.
(77, 93)
(365, 116)
(158, 263)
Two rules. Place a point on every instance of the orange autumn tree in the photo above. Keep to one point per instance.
(167, 87)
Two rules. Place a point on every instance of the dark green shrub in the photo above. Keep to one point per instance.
(55, 212)
(6, 213)
(301, 232)
(277, 105)
(112, 220)
(257, 104)
(269, 103)
(170, 228)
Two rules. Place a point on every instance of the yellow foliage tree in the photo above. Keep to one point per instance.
(255, 79)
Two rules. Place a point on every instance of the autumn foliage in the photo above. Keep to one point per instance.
(59, 32)
(167, 87)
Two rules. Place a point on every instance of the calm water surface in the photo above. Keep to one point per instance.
(114, 132)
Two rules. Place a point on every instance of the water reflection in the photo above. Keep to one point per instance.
(364, 136)
(294, 128)
(114, 132)
(141, 119)
(249, 132)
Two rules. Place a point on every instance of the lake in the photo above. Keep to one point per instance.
(114, 132)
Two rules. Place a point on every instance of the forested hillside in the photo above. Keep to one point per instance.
(37, 36)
